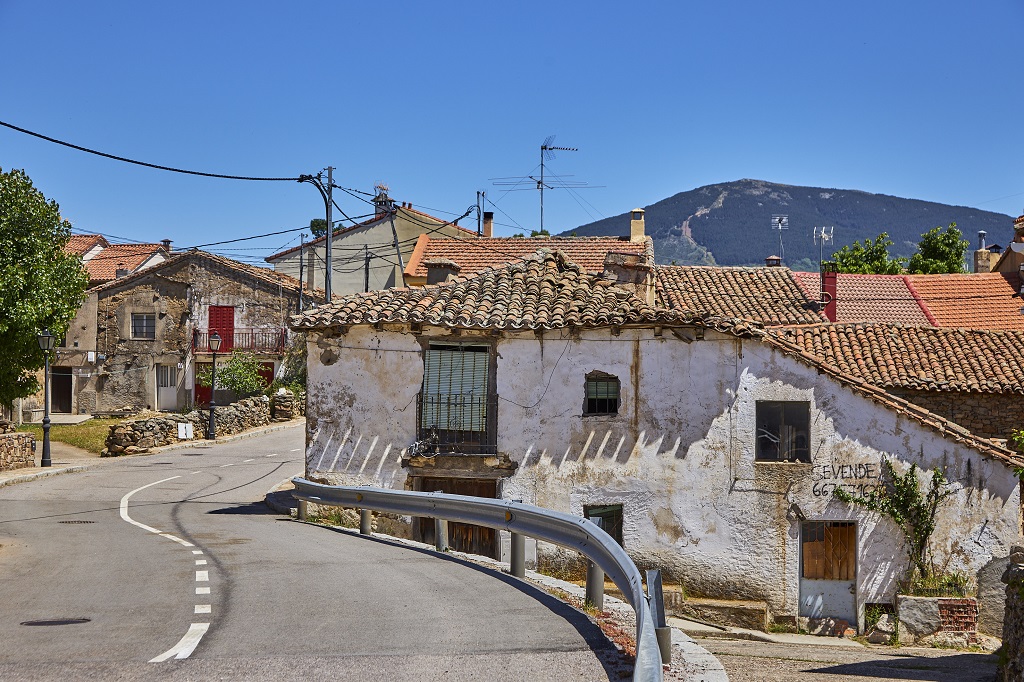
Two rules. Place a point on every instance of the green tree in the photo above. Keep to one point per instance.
(939, 251)
(318, 226)
(871, 257)
(41, 285)
(241, 374)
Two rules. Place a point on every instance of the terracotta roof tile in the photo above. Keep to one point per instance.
(103, 267)
(768, 295)
(869, 298)
(81, 244)
(542, 291)
(919, 358)
(476, 254)
(972, 301)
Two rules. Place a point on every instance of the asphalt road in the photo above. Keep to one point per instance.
(746, 661)
(183, 574)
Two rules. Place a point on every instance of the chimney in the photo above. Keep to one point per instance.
(636, 226)
(121, 271)
(383, 204)
(829, 289)
(440, 269)
(772, 262)
(166, 244)
(488, 223)
(982, 257)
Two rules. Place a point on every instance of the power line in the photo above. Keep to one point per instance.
(143, 163)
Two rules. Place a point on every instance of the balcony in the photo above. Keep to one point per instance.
(269, 341)
(456, 424)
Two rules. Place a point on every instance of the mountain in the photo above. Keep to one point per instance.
(730, 223)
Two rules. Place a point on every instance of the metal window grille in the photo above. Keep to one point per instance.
(602, 395)
(829, 550)
(454, 405)
(144, 325)
(610, 516)
(783, 431)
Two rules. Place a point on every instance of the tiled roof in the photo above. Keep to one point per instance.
(919, 358)
(266, 275)
(972, 301)
(103, 267)
(476, 254)
(81, 244)
(543, 291)
(371, 221)
(768, 295)
(869, 298)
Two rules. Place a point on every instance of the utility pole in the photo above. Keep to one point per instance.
(326, 193)
(302, 267)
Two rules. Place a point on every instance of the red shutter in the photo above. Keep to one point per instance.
(222, 321)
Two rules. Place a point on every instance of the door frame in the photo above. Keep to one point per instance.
(853, 549)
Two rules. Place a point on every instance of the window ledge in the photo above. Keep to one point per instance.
(783, 462)
(604, 415)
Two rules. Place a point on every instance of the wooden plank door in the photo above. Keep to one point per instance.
(462, 537)
(222, 321)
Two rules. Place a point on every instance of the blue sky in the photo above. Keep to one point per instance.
(914, 99)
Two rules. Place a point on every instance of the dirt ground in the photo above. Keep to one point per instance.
(747, 661)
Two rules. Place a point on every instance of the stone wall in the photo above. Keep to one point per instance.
(989, 415)
(285, 405)
(1011, 656)
(139, 435)
(16, 450)
(941, 621)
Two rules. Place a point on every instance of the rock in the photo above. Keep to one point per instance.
(918, 617)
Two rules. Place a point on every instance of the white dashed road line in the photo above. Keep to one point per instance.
(200, 562)
(246, 460)
(202, 576)
(203, 608)
(202, 590)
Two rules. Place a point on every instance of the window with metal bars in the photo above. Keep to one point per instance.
(143, 325)
(783, 431)
(829, 550)
(455, 405)
(608, 517)
(602, 394)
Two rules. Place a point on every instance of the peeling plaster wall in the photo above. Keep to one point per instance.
(679, 455)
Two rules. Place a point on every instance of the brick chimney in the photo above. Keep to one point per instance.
(166, 244)
(636, 226)
(829, 289)
(488, 223)
(982, 257)
(773, 262)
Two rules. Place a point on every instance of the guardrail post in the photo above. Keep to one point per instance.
(302, 512)
(364, 522)
(441, 535)
(657, 601)
(595, 586)
(517, 560)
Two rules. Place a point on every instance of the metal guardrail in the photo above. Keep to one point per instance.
(571, 532)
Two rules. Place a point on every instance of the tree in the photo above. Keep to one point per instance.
(939, 252)
(41, 285)
(241, 374)
(869, 258)
(318, 226)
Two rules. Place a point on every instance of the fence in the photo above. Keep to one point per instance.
(571, 532)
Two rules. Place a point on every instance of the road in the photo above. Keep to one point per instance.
(179, 572)
(747, 661)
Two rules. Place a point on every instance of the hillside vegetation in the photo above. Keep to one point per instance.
(729, 223)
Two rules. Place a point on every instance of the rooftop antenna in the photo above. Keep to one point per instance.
(780, 223)
(822, 235)
(547, 151)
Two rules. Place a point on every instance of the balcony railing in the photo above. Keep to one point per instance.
(456, 423)
(253, 340)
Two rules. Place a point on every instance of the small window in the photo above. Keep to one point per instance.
(602, 394)
(608, 517)
(783, 431)
(829, 550)
(143, 325)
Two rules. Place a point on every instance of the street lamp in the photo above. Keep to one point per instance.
(211, 432)
(46, 342)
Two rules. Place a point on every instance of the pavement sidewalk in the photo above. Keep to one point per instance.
(67, 459)
(698, 629)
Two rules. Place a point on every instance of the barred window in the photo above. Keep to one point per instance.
(783, 431)
(143, 325)
(608, 517)
(602, 394)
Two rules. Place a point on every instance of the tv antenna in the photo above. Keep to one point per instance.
(822, 235)
(540, 183)
(780, 223)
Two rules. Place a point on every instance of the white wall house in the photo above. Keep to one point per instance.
(708, 448)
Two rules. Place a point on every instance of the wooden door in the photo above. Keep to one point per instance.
(222, 321)
(462, 537)
(267, 373)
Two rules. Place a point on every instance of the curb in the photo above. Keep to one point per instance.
(25, 478)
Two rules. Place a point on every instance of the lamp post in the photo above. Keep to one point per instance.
(46, 342)
(211, 433)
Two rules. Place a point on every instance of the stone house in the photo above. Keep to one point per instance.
(138, 341)
(368, 255)
(708, 446)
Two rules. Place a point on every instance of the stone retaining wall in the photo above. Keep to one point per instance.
(139, 435)
(285, 405)
(1011, 656)
(16, 451)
